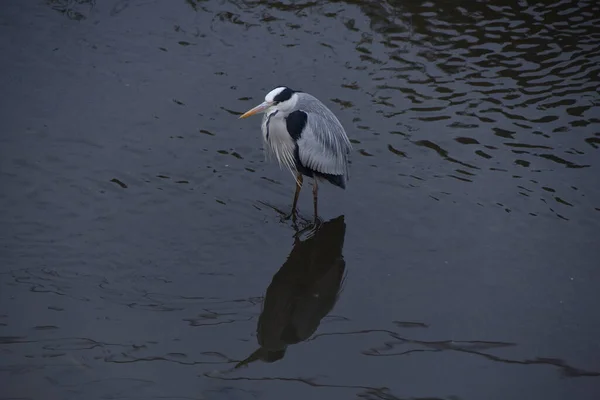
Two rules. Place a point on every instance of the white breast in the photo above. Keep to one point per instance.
(277, 140)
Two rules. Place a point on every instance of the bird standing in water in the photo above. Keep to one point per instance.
(304, 136)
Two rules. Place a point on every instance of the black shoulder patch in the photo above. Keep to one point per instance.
(285, 94)
(295, 123)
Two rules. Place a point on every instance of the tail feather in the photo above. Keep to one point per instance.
(336, 180)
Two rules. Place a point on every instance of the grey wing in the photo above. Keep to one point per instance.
(324, 146)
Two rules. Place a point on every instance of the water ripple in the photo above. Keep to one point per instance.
(527, 73)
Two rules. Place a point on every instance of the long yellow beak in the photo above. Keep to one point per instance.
(259, 108)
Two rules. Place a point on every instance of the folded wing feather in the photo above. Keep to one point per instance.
(324, 146)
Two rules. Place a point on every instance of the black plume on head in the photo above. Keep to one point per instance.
(285, 94)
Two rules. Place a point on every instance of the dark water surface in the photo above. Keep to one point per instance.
(139, 260)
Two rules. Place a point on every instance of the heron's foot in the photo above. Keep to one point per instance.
(317, 222)
(298, 222)
(293, 215)
(305, 231)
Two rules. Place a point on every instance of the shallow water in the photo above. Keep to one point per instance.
(143, 255)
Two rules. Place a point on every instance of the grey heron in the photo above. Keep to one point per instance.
(305, 137)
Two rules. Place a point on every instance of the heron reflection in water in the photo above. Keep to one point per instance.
(302, 292)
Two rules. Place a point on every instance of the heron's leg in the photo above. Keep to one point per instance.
(315, 192)
(297, 194)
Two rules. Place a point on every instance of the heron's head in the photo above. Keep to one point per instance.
(281, 98)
